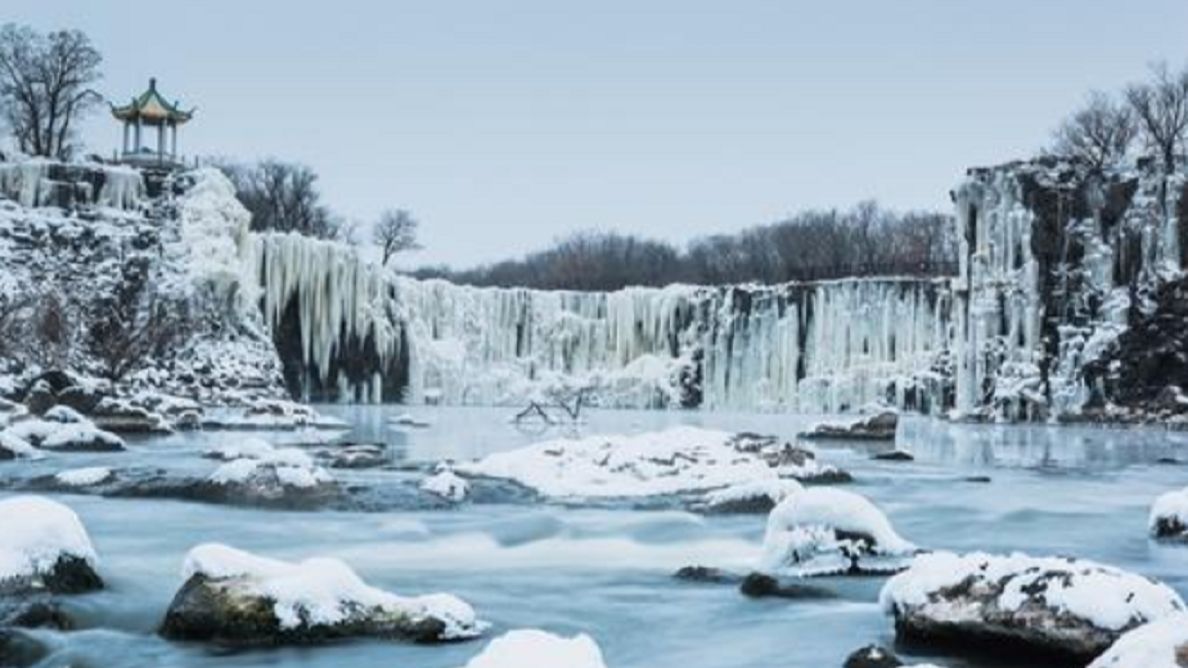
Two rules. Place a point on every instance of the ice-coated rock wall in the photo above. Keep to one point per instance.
(41, 182)
(359, 334)
(1055, 261)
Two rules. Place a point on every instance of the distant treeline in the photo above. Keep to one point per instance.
(813, 245)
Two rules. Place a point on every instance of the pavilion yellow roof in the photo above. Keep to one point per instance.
(152, 108)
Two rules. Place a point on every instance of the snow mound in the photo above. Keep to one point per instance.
(675, 460)
(531, 647)
(288, 467)
(409, 420)
(83, 477)
(816, 531)
(322, 591)
(37, 532)
(447, 485)
(1159, 644)
(1169, 515)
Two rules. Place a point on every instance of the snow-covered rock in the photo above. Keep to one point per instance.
(672, 461)
(78, 436)
(531, 647)
(880, 427)
(1169, 516)
(819, 530)
(1159, 644)
(84, 477)
(44, 546)
(354, 456)
(235, 597)
(1070, 607)
(14, 447)
(446, 484)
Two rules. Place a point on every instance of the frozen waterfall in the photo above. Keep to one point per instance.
(820, 347)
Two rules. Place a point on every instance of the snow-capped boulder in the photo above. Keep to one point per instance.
(84, 477)
(1043, 606)
(79, 436)
(124, 417)
(531, 647)
(287, 477)
(354, 456)
(821, 530)
(64, 415)
(1159, 644)
(446, 484)
(14, 447)
(880, 427)
(673, 461)
(44, 547)
(1169, 516)
(238, 598)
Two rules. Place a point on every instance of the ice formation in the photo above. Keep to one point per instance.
(362, 334)
(447, 485)
(38, 182)
(323, 591)
(532, 647)
(37, 532)
(1051, 256)
(343, 310)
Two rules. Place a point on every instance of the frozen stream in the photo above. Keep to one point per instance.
(608, 572)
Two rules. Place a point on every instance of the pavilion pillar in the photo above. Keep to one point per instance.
(161, 142)
(127, 129)
(139, 130)
(173, 140)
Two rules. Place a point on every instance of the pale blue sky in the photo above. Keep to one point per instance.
(505, 124)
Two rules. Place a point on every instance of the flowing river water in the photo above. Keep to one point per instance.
(608, 571)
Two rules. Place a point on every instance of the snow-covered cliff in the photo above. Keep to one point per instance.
(150, 292)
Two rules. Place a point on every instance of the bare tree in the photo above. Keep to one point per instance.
(1100, 134)
(282, 196)
(45, 86)
(1161, 106)
(396, 231)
